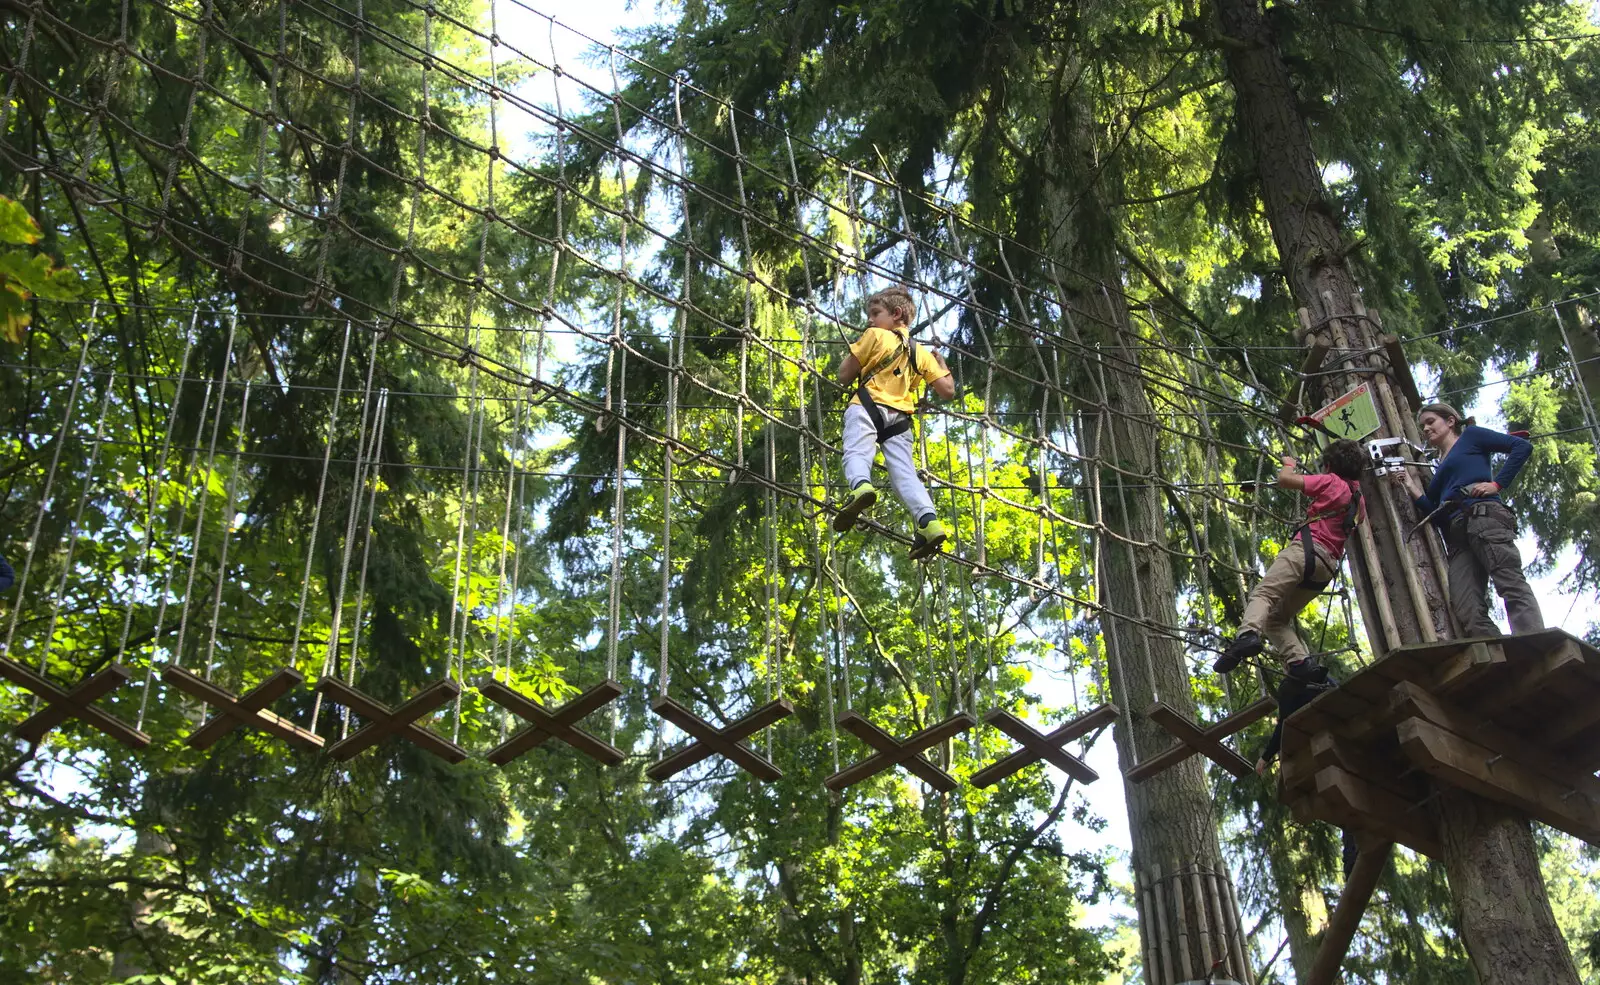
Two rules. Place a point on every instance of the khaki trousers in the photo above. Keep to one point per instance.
(1278, 598)
(1481, 543)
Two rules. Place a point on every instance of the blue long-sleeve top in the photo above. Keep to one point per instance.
(1467, 462)
(7, 576)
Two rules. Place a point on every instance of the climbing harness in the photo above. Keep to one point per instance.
(1352, 515)
(886, 430)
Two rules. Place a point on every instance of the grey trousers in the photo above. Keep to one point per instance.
(1278, 598)
(861, 441)
(1481, 543)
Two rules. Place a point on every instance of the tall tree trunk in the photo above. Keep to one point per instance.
(1490, 856)
(1186, 911)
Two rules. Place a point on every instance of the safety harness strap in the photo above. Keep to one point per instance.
(1352, 514)
(879, 421)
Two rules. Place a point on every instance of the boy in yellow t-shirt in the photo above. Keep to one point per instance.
(890, 367)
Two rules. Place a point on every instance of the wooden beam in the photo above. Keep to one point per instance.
(892, 752)
(1574, 723)
(385, 723)
(1355, 803)
(1037, 746)
(1337, 710)
(249, 711)
(1565, 661)
(78, 703)
(1495, 776)
(1191, 740)
(1469, 665)
(544, 725)
(725, 742)
(1400, 370)
(1382, 772)
(1410, 701)
(1346, 918)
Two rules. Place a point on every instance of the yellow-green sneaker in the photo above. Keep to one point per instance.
(861, 497)
(927, 539)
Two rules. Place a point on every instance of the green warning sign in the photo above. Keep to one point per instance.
(1353, 416)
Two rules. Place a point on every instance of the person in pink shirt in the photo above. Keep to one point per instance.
(1306, 565)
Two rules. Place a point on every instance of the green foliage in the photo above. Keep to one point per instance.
(25, 275)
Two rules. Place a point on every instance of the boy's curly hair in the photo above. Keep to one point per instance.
(1344, 459)
(897, 301)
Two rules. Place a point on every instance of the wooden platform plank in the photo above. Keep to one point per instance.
(385, 723)
(1358, 758)
(1539, 673)
(726, 742)
(1411, 701)
(1530, 703)
(545, 724)
(1365, 806)
(1476, 769)
(1576, 733)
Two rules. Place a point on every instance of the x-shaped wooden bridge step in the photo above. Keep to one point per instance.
(384, 723)
(249, 711)
(77, 703)
(892, 752)
(1037, 745)
(560, 724)
(710, 740)
(1192, 739)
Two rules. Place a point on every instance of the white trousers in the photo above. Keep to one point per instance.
(861, 441)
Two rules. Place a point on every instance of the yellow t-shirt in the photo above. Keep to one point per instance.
(894, 382)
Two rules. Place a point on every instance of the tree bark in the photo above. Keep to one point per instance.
(1183, 918)
(1506, 919)
(1500, 898)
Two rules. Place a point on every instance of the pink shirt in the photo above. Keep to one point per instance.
(1330, 499)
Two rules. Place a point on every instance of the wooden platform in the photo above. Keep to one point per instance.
(1514, 719)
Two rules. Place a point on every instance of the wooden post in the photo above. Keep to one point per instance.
(1180, 915)
(1347, 915)
(1141, 903)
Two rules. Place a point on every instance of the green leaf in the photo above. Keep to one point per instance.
(17, 227)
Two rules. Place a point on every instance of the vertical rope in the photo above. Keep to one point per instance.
(21, 69)
(46, 493)
(774, 647)
(322, 490)
(229, 506)
(347, 150)
(212, 388)
(1590, 417)
(357, 483)
(663, 674)
(74, 529)
(198, 537)
(614, 603)
(138, 580)
(180, 147)
(560, 239)
(374, 480)
(747, 261)
(1133, 558)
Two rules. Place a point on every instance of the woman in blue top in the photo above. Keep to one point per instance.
(1480, 533)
